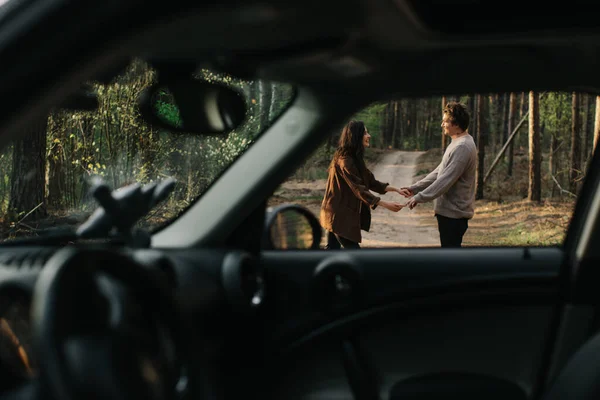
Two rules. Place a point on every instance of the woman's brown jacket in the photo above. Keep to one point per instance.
(345, 209)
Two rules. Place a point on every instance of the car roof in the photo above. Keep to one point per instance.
(370, 48)
(400, 47)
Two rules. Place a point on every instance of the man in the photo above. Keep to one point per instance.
(452, 184)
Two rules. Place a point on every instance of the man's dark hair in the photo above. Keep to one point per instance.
(458, 114)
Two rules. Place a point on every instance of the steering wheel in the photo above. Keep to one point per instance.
(106, 327)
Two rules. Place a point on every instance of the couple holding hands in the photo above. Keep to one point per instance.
(348, 200)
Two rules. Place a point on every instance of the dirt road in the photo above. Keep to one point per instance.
(411, 228)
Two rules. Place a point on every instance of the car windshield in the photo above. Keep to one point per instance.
(47, 171)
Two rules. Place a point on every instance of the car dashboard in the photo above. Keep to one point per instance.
(206, 286)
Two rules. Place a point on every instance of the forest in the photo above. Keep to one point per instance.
(549, 135)
(47, 170)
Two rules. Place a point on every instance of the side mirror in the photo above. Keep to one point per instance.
(291, 227)
(192, 106)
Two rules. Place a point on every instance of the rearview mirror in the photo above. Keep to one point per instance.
(193, 106)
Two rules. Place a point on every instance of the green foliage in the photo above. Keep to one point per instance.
(315, 167)
(116, 144)
(523, 236)
(372, 117)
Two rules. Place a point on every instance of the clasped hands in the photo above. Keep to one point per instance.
(395, 206)
(406, 192)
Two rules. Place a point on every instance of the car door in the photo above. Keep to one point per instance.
(424, 323)
(373, 321)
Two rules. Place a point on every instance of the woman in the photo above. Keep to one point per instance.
(346, 207)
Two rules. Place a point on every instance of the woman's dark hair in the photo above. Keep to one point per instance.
(351, 144)
(458, 114)
(351, 140)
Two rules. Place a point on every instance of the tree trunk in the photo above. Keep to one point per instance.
(535, 179)
(444, 137)
(512, 113)
(86, 127)
(387, 133)
(57, 189)
(498, 121)
(148, 149)
(28, 181)
(506, 106)
(585, 129)
(590, 112)
(492, 101)
(473, 126)
(413, 123)
(552, 161)
(401, 112)
(481, 136)
(396, 123)
(558, 155)
(524, 103)
(523, 109)
(575, 155)
(431, 118)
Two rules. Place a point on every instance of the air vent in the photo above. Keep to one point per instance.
(25, 258)
(243, 281)
(337, 285)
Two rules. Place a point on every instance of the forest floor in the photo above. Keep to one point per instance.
(507, 222)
